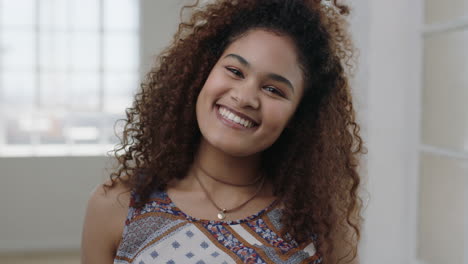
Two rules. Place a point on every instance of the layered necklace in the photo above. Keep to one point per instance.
(223, 211)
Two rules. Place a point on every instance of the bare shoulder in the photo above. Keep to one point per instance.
(111, 199)
(104, 222)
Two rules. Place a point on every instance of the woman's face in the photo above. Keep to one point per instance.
(250, 94)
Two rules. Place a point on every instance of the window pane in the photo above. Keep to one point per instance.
(52, 125)
(83, 128)
(443, 11)
(84, 92)
(59, 94)
(18, 49)
(16, 13)
(445, 93)
(84, 51)
(119, 89)
(120, 15)
(121, 52)
(18, 89)
(19, 125)
(113, 127)
(54, 51)
(442, 204)
(54, 89)
(54, 14)
(84, 14)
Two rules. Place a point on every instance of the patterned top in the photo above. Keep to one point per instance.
(160, 232)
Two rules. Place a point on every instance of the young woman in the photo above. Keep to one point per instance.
(240, 147)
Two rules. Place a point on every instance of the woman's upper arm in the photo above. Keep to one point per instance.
(103, 225)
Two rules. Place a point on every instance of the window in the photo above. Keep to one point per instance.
(443, 221)
(68, 70)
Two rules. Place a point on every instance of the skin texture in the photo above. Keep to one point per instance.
(104, 223)
(241, 81)
(311, 164)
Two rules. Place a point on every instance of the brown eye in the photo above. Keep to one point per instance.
(235, 72)
(273, 90)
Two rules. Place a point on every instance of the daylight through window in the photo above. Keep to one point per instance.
(68, 70)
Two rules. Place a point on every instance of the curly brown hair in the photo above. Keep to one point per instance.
(316, 178)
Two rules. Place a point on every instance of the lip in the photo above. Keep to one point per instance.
(232, 124)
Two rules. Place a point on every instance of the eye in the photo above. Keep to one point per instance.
(235, 72)
(273, 90)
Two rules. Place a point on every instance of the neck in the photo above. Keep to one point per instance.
(213, 163)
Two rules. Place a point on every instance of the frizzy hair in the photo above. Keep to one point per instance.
(313, 165)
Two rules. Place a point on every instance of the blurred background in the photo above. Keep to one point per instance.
(69, 68)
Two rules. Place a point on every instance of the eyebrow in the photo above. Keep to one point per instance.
(273, 76)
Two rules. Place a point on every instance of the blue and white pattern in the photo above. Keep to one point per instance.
(187, 245)
(160, 233)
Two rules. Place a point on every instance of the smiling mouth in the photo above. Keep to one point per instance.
(229, 116)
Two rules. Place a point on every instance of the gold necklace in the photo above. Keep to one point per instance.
(223, 211)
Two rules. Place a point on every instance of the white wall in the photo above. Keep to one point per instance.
(443, 225)
(42, 200)
(159, 21)
(393, 79)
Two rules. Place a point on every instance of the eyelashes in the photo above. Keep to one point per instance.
(235, 72)
(270, 89)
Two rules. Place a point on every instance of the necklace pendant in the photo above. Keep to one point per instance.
(222, 214)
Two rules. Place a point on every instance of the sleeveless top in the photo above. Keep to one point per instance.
(159, 232)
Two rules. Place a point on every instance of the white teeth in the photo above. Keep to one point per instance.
(237, 119)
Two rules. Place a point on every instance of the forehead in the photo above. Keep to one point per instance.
(268, 52)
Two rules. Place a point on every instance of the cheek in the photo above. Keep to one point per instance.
(214, 82)
(207, 93)
(211, 91)
(279, 118)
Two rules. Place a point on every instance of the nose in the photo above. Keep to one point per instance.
(246, 96)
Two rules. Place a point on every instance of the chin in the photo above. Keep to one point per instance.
(236, 150)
